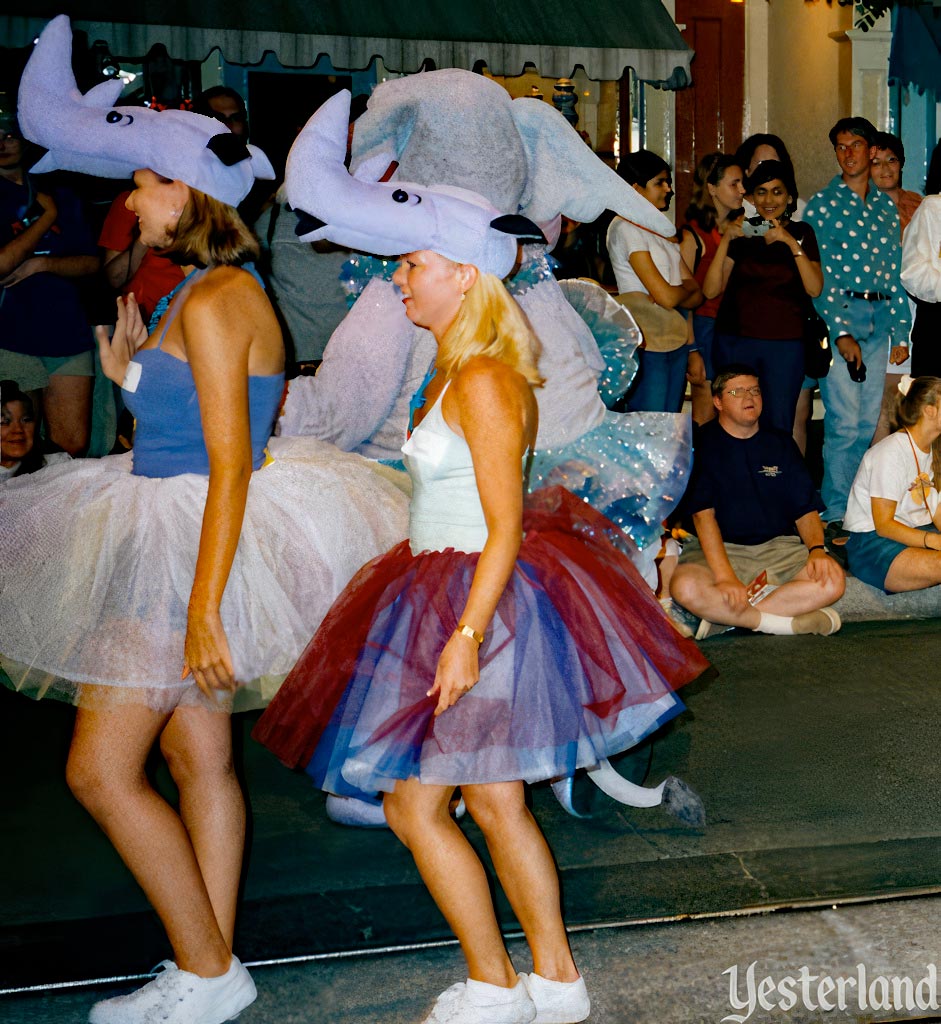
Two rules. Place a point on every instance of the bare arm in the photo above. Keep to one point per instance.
(61, 266)
(713, 547)
(21, 247)
(688, 247)
(883, 516)
(667, 295)
(220, 322)
(820, 566)
(717, 276)
(494, 409)
(120, 265)
(809, 270)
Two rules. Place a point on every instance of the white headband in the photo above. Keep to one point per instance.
(88, 133)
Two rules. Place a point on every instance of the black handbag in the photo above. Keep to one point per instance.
(817, 352)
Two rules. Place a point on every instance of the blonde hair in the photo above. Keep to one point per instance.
(923, 391)
(490, 323)
(211, 233)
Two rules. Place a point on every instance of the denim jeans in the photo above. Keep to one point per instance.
(661, 381)
(851, 409)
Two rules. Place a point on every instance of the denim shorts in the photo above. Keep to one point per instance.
(870, 556)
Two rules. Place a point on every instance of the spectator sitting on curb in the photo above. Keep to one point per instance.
(755, 510)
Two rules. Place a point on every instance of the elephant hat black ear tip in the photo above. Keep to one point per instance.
(306, 223)
(229, 148)
(515, 224)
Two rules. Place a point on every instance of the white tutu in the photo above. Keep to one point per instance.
(96, 568)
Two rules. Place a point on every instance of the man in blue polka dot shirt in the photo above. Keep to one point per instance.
(862, 302)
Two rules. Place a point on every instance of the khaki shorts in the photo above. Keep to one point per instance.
(781, 557)
(32, 373)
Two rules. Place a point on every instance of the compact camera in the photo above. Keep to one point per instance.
(755, 227)
(857, 373)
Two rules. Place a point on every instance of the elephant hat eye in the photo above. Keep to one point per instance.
(114, 117)
(401, 196)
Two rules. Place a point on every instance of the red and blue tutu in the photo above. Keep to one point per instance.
(579, 663)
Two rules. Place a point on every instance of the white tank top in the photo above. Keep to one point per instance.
(445, 511)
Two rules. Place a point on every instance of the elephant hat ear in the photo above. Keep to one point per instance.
(89, 133)
(566, 177)
(387, 218)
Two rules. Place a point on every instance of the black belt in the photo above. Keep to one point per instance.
(868, 296)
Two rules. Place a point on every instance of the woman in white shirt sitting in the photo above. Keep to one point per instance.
(893, 516)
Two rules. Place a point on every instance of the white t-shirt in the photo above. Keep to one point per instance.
(624, 238)
(888, 471)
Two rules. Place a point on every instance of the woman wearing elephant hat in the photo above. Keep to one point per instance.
(454, 127)
(148, 588)
(496, 646)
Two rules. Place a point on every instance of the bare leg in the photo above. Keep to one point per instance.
(694, 587)
(67, 406)
(106, 773)
(197, 744)
(527, 872)
(913, 569)
(418, 814)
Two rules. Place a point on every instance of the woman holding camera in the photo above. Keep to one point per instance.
(768, 268)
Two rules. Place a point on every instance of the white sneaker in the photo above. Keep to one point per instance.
(558, 1002)
(476, 1002)
(179, 997)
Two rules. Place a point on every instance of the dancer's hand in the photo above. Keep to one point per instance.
(130, 333)
(457, 672)
(206, 654)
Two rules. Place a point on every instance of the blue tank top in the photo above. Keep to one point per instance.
(168, 439)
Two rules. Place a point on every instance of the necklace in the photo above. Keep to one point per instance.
(919, 474)
(164, 303)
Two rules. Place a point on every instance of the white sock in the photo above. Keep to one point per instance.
(779, 625)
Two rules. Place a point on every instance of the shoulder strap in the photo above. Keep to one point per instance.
(700, 245)
(177, 304)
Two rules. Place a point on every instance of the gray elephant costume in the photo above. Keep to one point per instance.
(459, 129)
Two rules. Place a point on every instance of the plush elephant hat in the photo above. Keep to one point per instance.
(88, 133)
(391, 218)
(459, 128)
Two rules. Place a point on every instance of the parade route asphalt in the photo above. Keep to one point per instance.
(816, 760)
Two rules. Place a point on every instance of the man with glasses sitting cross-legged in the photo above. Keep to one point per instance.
(756, 513)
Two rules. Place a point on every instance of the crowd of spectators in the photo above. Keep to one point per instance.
(769, 267)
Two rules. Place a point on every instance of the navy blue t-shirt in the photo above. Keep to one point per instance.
(758, 486)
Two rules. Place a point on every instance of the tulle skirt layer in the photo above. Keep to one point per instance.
(579, 663)
(633, 467)
(96, 568)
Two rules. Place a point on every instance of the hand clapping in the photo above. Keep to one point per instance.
(130, 333)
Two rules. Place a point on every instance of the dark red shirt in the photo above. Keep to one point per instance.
(765, 297)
